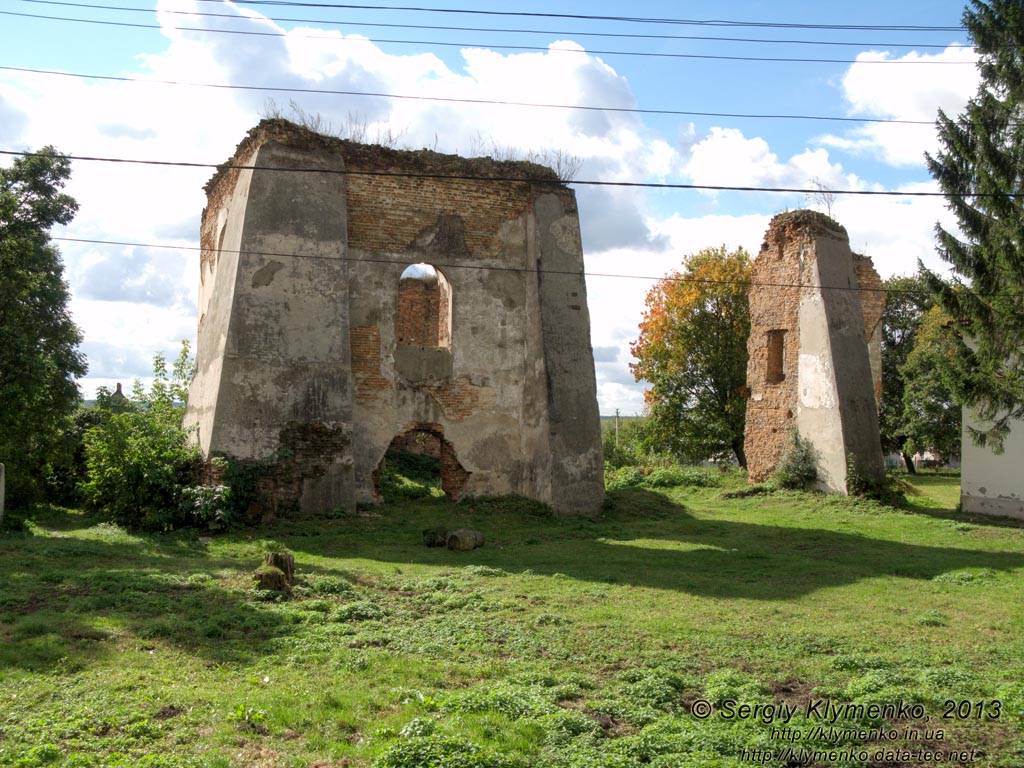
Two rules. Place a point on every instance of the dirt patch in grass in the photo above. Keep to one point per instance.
(794, 692)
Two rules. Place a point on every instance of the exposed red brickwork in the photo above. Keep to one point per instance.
(387, 210)
(453, 475)
(424, 312)
(418, 441)
(872, 301)
(366, 363)
(460, 397)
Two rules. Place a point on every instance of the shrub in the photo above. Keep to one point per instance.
(657, 477)
(625, 477)
(208, 506)
(799, 465)
(138, 457)
(632, 445)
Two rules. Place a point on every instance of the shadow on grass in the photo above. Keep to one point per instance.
(665, 548)
(922, 500)
(64, 597)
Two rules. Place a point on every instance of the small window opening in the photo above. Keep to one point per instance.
(424, 308)
(776, 355)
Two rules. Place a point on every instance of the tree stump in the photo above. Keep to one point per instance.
(464, 540)
(283, 561)
(270, 578)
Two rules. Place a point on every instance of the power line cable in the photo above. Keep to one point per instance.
(512, 179)
(379, 41)
(457, 100)
(625, 19)
(491, 267)
(499, 30)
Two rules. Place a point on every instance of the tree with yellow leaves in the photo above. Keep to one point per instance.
(692, 350)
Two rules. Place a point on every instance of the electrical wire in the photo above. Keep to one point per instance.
(512, 179)
(592, 17)
(499, 30)
(486, 267)
(651, 54)
(456, 100)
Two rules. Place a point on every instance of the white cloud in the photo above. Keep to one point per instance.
(725, 157)
(915, 90)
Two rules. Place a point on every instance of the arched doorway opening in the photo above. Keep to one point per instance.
(420, 463)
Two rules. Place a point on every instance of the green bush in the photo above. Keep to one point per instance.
(66, 469)
(631, 446)
(208, 506)
(138, 457)
(624, 477)
(799, 465)
(657, 477)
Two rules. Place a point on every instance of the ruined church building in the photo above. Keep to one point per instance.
(353, 297)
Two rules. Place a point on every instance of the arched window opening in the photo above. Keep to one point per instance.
(424, 308)
(776, 372)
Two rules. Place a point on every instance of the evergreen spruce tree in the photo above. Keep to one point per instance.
(979, 168)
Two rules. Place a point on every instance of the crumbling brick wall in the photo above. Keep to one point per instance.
(774, 304)
(872, 299)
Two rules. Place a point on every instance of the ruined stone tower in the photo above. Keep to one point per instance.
(353, 295)
(815, 350)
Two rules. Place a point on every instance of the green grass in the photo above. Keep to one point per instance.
(561, 643)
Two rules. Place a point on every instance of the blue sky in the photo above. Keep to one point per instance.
(133, 300)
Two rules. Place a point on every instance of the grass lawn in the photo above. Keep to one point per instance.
(560, 643)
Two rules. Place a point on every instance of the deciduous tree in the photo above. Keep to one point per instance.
(931, 417)
(39, 357)
(907, 299)
(692, 350)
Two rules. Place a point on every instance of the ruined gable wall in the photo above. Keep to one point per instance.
(820, 386)
(520, 348)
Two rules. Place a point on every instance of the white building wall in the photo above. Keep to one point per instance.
(992, 484)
